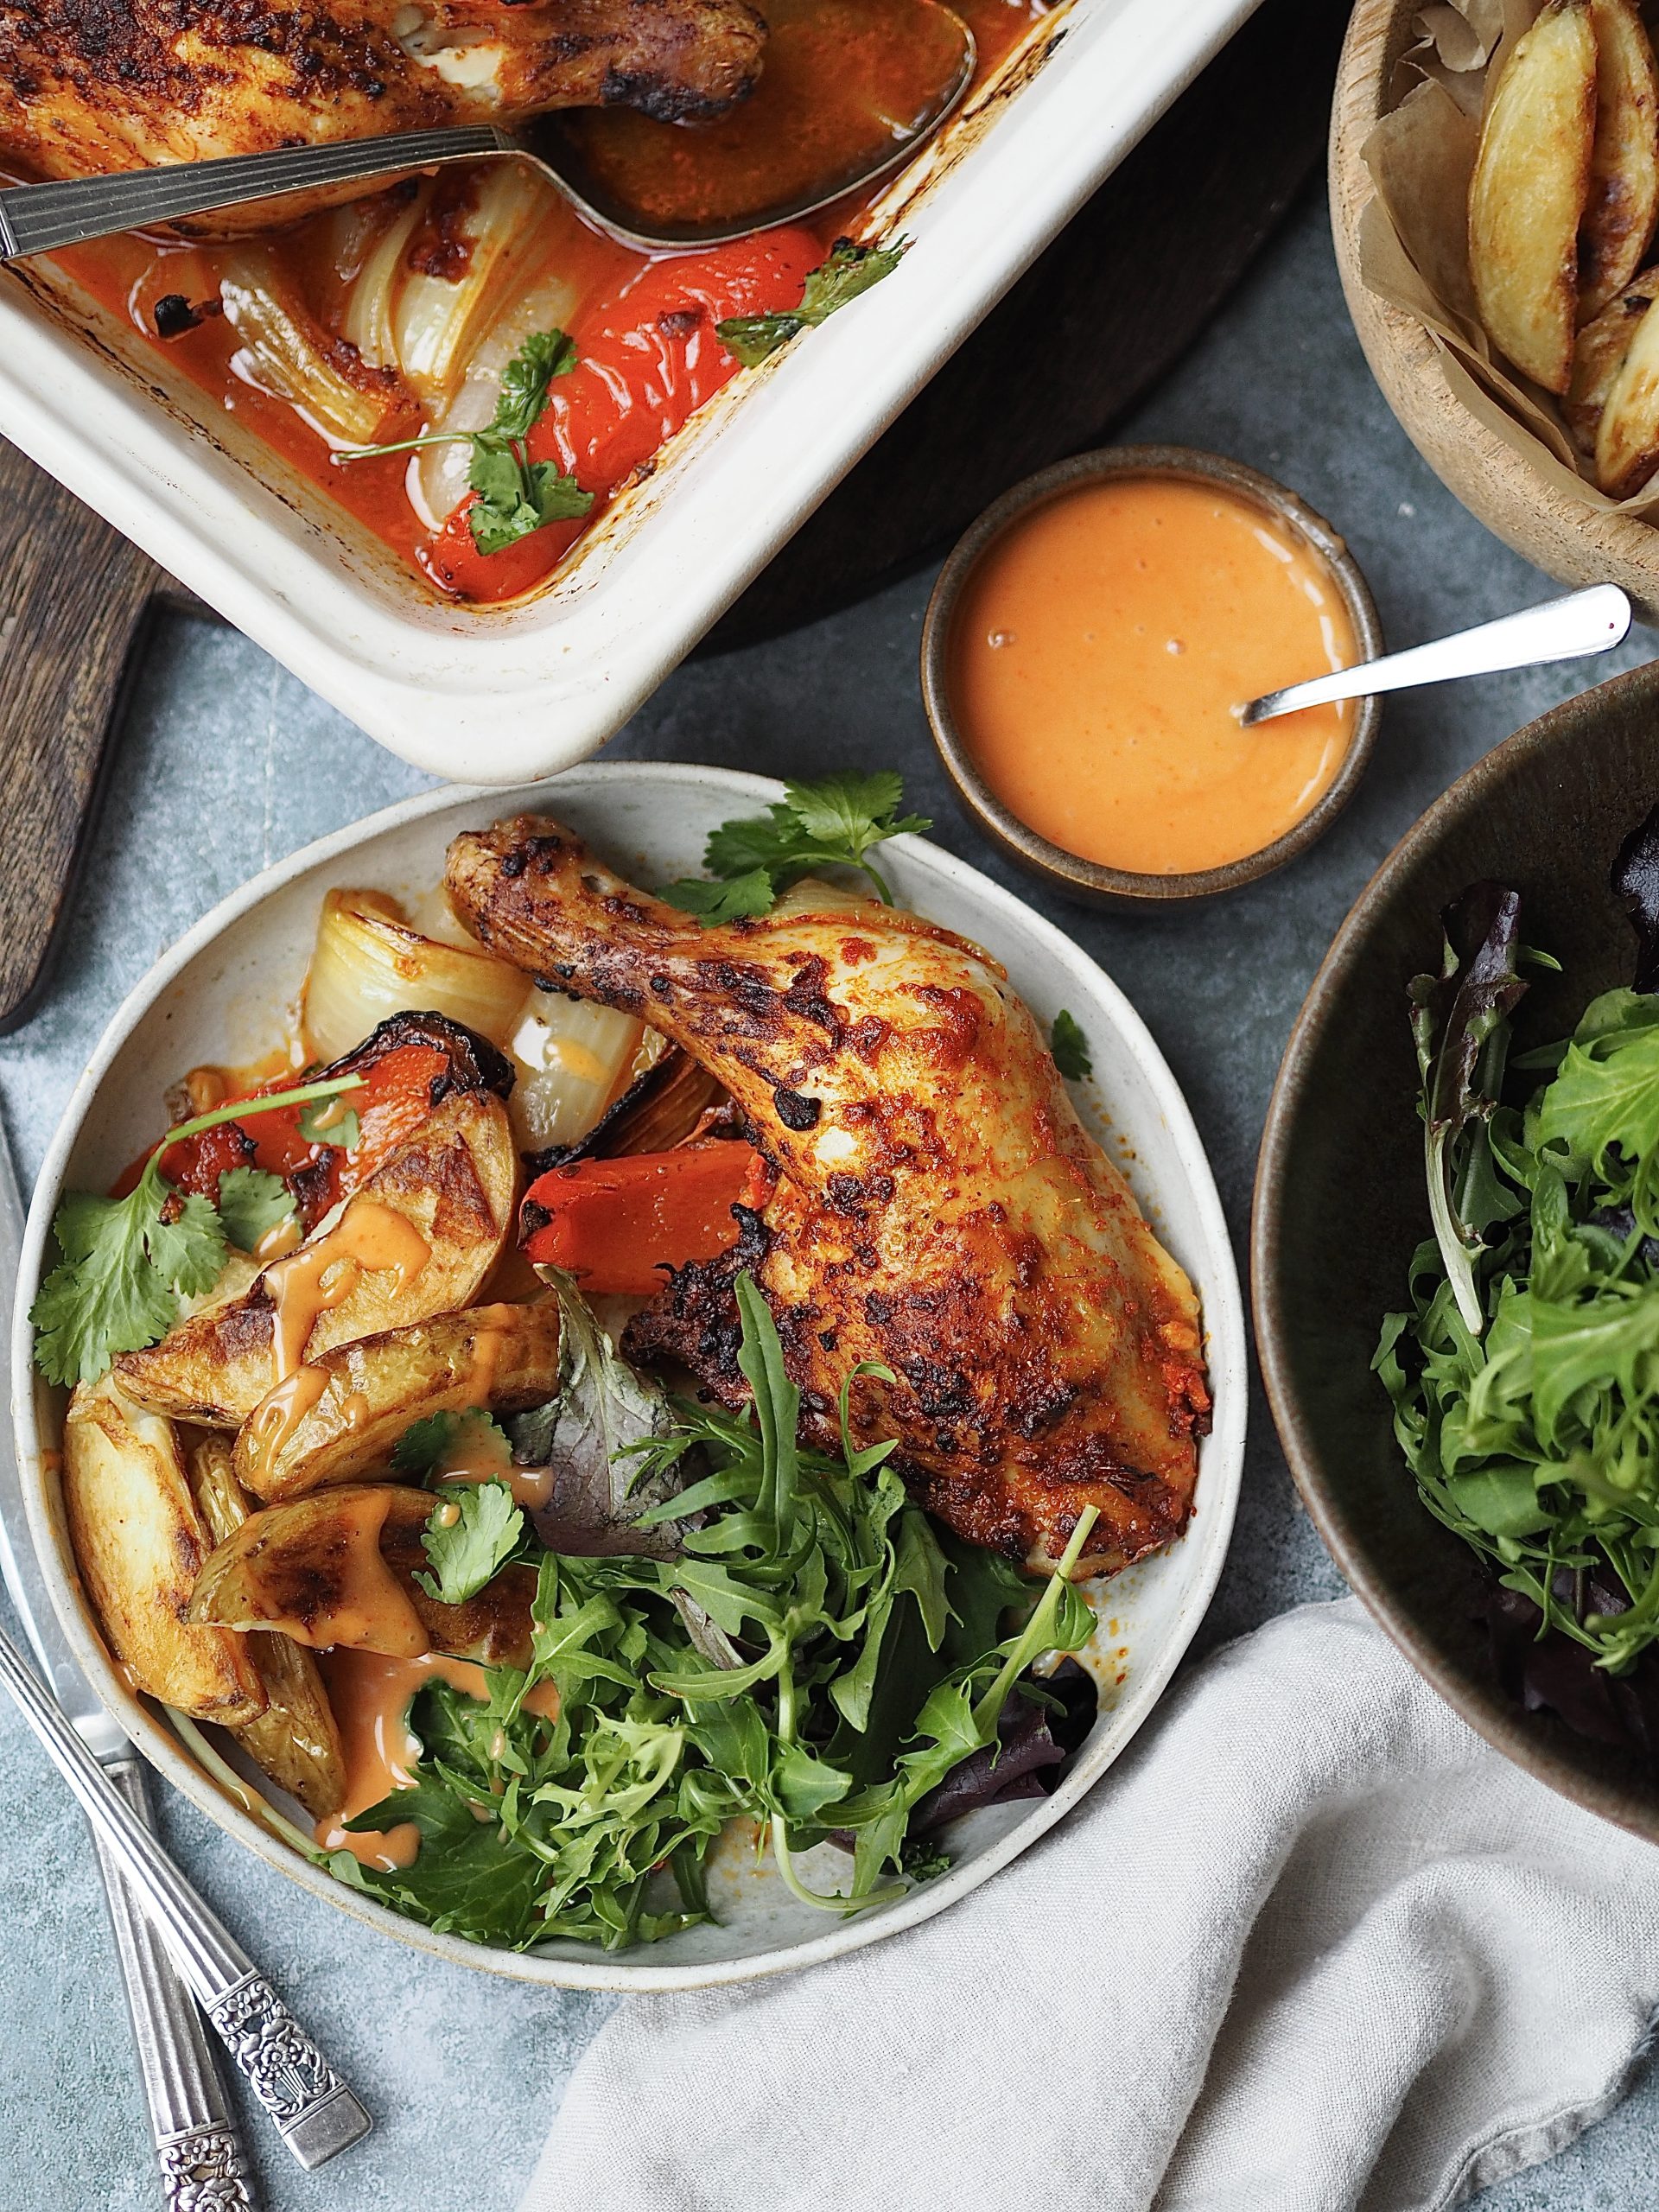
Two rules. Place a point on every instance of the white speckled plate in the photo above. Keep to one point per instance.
(219, 994)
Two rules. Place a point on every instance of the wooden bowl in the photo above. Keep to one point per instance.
(1340, 1203)
(1574, 544)
(1092, 882)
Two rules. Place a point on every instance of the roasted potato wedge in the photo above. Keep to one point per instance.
(1627, 435)
(338, 1566)
(452, 1183)
(139, 1542)
(1599, 355)
(1527, 194)
(502, 1357)
(295, 1740)
(1624, 197)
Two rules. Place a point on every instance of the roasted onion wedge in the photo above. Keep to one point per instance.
(1527, 194)
(505, 1358)
(139, 1542)
(441, 1211)
(339, 1567)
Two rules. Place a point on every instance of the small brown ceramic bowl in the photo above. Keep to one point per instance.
(1090, 880)
(1340, 1203)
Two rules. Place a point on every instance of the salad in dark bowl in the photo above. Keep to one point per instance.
(1456, 1248)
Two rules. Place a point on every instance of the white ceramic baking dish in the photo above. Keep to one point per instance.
(501, 696)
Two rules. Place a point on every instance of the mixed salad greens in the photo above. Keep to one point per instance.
(1525, 1374)
(808, 1653)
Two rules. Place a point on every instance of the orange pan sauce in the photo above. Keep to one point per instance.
(644, 329)
(1099, 649)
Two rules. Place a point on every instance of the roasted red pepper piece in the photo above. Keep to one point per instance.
(616, 1225)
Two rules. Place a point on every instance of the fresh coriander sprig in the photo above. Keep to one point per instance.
(473, 1529)
(1070, 1046)
(127, 1261)
(849, 270)
(832, 823)
(515, 495)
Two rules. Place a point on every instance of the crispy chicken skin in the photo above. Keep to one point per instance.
(92, 86)
(939, 1208)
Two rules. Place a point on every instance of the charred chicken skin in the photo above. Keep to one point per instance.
(87, 87)
(939, 1208)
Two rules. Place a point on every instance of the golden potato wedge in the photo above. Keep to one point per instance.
(1527, 194)
(1623, 202)
(502, 1358)
(1599, 355)
(1627, 435)
(417, 1239)
(295, 1740)
(338, 1566)
(139, 1542)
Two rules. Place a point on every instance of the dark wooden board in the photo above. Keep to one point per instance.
(74, 597)
(1088, 331)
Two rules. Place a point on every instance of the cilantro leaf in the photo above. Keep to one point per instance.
(516, 496)
(425, 1443)
(475, 1528)
(543, 355)
(1070, 1047)
(849, 270)
(731, 901)
(127, 1261)
(252, 1204)
(326, 1122)
(833, 823)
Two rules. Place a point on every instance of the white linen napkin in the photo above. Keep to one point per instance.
(1310, 1945)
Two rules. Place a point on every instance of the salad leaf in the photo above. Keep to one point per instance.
(127, 1262)
(816, 1586)
(325, 1122)
(849, 270)
(252, 1204)
(473, 1531)
(1070, 1047)
(834, 823)
(1460, 1020)
(1636, 883)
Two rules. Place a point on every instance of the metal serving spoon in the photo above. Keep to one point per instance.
(1573, 628)
(36, 217)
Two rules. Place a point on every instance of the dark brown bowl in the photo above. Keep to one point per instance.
(1340, 1204)
(1088, 879)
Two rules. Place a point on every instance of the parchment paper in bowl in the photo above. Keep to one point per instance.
(1414, 235)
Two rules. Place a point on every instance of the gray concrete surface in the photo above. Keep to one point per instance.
(227, 764)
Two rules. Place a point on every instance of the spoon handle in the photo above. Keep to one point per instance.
(35, 217)
(1584, 622)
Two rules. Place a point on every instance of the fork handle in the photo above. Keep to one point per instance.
(312, 2109)
(35, 217)
(196, 2137)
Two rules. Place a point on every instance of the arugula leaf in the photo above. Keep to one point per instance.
(252, 1204)
(325, 1122)
(475, 1530)
(515, 495)
(834, 822)
(127, 1261)
(1070, 1047)
(849, 270)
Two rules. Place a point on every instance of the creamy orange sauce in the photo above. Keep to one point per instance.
(370, 1607)
(371, 1695)
(478, 1453)
(280, 1412)
(1098, 651)
(323, 1274)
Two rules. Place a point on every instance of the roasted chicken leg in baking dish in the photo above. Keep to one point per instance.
(939, 1207)
(88, 86)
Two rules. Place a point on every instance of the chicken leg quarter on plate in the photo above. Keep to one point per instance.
(87, 87)
(939, 1208)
